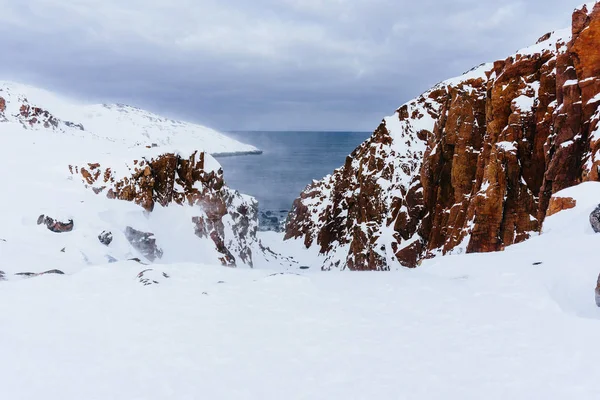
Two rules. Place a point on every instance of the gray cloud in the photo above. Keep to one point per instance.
(265, 64)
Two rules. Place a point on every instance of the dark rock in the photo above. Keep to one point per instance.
(111, 259)
(54, 225)
(105, 237)
(2, 276)
(151, 277)
(144, 242)
(52, 271)
(595, 219)
(74, 125)
(32, 274)
(63, 249)
(26, 274)
(597, 292)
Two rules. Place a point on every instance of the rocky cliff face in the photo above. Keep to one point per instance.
(224, 216)
(468, 166)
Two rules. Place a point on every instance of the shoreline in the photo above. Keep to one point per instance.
(237, 153)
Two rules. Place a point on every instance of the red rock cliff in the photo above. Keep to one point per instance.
(470, 165)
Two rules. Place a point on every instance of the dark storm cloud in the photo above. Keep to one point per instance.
(265, 64)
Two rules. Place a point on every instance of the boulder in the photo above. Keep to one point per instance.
(595, 219)
(105, 238)
(55, 225)
(144, 242)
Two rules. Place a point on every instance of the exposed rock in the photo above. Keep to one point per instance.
(55, 225)
(31, 116)
(151, 277)
(470, 165)
(105, 238)
(2, 105)
(226, 217)
(26, 274)
(558, 204)
(33, 274)
(2, 276)
(595, 219)
(597, 292)
(52, 271)
(144, 242)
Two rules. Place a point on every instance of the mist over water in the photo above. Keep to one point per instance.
(290, 161)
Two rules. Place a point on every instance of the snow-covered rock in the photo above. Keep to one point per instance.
(468, 166)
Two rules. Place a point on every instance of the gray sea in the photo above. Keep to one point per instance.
(290, 161)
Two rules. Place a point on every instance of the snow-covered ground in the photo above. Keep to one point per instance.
(491, 326)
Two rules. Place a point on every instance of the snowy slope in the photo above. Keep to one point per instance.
(120, 124)
(43, 136)
(490, 326)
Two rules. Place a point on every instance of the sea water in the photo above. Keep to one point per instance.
(290, 161)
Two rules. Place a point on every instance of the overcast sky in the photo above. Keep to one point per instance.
(263, 64)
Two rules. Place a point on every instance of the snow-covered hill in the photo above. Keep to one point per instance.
(116, 123)
(52, 150)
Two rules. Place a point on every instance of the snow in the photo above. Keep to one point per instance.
(556, 37)
(507, 146)
(571, 82)
(524, 103)
(474, 73)
(459, 327)
(126, 125)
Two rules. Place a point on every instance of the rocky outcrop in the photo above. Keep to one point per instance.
(224, 216)
(558, 204)
(470, 165)
(35, 115)
(55, 225)
(144, 242)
